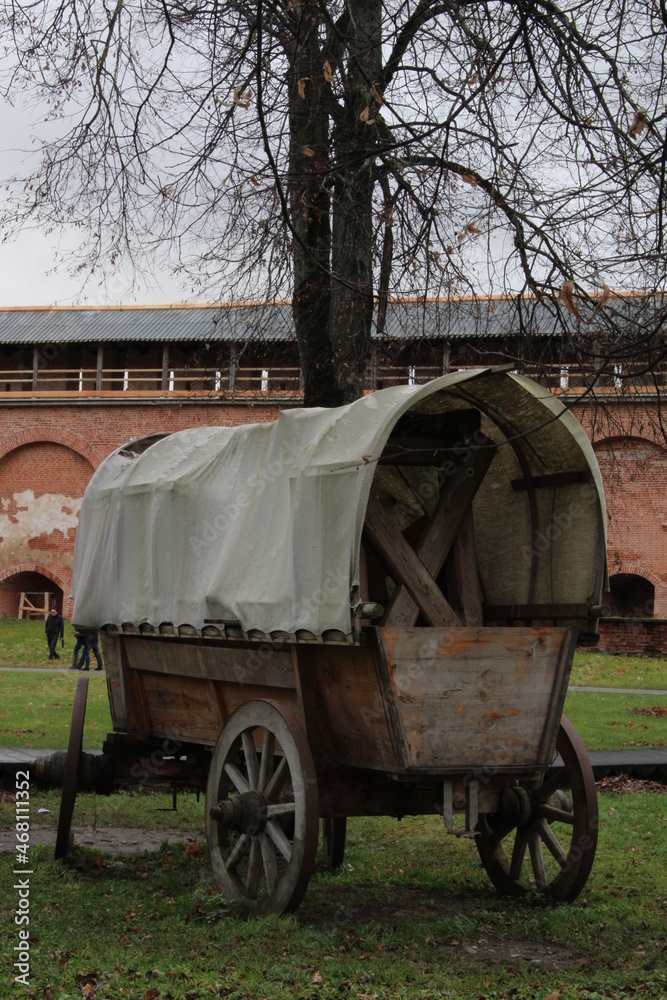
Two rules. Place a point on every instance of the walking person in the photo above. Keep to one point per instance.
(55, 629)
(92, 646)
(79, 648)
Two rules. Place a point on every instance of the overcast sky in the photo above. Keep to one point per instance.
(27, 276)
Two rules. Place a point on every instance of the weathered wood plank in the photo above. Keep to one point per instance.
(256, 664)
(466, 574)
(406, 567)
(344, 711)
(476, 697)
(114, 674)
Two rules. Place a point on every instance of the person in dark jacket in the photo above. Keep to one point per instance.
(92, 647)
(55, 629)
(79, 650)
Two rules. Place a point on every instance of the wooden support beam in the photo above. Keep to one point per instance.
(553, 479)
(529, 612)
(406, 567)
(100, 367)
(466, 573)
(164, 382)
(456, 495)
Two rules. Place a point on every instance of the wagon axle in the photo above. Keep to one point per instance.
(245, 813)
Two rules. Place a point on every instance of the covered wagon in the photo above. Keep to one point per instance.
(367, 610)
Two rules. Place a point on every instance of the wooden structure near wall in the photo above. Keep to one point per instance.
(29, 610)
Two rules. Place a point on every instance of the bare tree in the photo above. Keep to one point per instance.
(339, 152)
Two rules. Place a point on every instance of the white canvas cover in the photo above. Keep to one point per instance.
(262, 523)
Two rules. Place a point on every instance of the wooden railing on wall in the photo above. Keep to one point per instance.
(278, 381)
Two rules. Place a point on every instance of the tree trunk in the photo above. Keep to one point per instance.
(309, 212)
(332, 303)
(354, 140)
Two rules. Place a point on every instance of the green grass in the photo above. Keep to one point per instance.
(23, 644)
(411, 915)
(617, 721)
(137, 810)
(604, 670)
(36, 710)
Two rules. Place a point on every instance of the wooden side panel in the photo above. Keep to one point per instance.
(112, 665)
(347, 715)
(182, 707)
(257, 664)
(476, 697)
(187, 691)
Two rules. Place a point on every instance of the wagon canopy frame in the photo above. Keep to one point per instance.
(255, 531)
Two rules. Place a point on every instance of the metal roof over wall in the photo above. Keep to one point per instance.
(272, 322)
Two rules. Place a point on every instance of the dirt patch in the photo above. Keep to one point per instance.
(552, 957)
(109, 840)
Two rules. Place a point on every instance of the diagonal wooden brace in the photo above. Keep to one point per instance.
(406, 567)
(450, 514)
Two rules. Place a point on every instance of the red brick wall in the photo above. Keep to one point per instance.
(633, 637)
(632, 454)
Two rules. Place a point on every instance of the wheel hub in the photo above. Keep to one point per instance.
(515, 808)
(245, 812)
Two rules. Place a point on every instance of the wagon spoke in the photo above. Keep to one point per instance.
(270, 861)
(280, 809)
(518, 853)
(237, 779)
(251, 762)
(279, 838)
(551, 840)
(552, 785)
(268, 752)
(554, 814)
(498, 836)
(238, 851)
(537, 859)
(277, 781)
(254, 869)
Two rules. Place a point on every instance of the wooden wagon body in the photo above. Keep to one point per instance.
(456, 534)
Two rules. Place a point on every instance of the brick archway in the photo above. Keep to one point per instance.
(68, 439)
(632, 569)
(60, 578)
(8, 571)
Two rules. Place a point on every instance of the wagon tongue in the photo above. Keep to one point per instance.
(245, 812)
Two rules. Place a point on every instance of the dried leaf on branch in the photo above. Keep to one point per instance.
(567, 295)
(638, 123)
(601, 302)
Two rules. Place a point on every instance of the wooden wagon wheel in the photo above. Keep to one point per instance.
(68, 797)
(560, 814)
(262, 808)
(333, 841)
